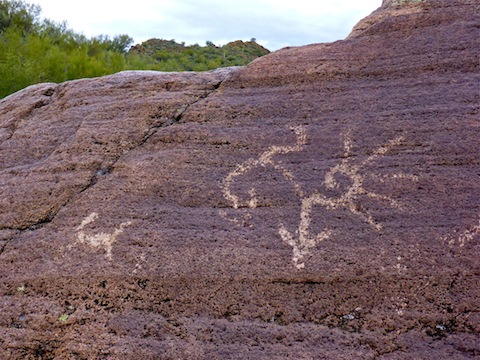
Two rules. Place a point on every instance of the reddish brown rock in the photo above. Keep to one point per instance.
(323, 202)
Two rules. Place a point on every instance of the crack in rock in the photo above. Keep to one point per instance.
(6, 237)
(106, 167)
(177, 118)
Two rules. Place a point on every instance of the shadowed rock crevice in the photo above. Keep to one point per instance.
(162, 120)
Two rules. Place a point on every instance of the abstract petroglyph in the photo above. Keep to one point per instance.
(357, 178)
(265, 160)
(302, 241)
(101, 240)
(463, 238)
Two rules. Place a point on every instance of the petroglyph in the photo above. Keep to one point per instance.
(302, 241)
(356, 188)
(101, 240)
(265, 160)
(464, 237)
(140, 260)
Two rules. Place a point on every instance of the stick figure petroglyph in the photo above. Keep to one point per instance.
(302, 241)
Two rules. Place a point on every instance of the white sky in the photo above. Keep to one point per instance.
(274, 23)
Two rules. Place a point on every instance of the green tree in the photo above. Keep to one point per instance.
(121, 43)
(19, 14)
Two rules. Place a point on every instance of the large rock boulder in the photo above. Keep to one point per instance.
(322, 202)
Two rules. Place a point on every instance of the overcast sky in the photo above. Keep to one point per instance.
(274, 23)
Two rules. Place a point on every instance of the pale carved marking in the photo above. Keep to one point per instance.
(101, 240)
(140, 261)
(302, 241)
(463, 238)
(265, 160)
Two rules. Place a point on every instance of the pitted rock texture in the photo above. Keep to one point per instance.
(322, 202)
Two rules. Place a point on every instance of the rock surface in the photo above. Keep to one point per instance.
(322, 202)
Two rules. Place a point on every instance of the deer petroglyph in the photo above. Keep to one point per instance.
(101, 240)
(302, 241)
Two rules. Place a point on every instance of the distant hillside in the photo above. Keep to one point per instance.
(35, 50)
(174, 56)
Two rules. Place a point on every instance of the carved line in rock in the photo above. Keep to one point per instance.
(101, 240)
(302, 241)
